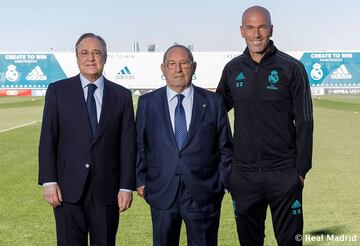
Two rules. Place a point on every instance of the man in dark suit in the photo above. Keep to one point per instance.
(184, 154)
(87, 150)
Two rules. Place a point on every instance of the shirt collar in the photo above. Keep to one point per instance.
(270, 52)
(99, 82)
(188, 92)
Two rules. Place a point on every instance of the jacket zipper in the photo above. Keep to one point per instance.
(256, 115)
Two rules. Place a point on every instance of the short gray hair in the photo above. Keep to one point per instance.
(91, 35)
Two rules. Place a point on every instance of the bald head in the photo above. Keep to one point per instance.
(256, 29)
(179, 46)
(256, 10)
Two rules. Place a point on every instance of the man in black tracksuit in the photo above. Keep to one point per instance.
(273, 127)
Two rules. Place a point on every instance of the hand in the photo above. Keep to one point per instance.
(140, 191)
(52, 195)
(124, 200)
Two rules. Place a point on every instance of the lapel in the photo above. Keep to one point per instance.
(76, 92)
(109, 102)
(161, 107)
(200, 105)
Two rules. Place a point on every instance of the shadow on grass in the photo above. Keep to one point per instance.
(333, 230)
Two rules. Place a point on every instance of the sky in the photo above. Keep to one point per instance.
(208, 25)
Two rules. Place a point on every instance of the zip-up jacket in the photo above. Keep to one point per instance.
(273, 123)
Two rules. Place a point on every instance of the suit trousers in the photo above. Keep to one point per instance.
(253, 192)
(89, 216)
(202, 222)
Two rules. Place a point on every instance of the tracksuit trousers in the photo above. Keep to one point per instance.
(253, 191)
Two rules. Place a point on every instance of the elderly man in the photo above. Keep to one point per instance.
(87, 150)
(184, 154)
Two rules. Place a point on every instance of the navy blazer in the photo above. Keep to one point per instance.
(68, 151)
(204, 162)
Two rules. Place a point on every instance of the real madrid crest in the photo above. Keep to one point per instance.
(273, 77)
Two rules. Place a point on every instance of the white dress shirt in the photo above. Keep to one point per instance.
(98, 93)
(187, 104)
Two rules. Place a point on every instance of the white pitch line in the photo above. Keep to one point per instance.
(19, 126)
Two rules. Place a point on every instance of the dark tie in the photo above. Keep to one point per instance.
(91, 107)
(180, 122)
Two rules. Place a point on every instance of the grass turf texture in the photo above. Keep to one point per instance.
(331, 195)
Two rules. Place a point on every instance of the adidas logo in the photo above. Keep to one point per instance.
(124, 71)
(296, 204)
(296, 207)
(124, 74)
(240, 77)
(341, 73)
(36, 74)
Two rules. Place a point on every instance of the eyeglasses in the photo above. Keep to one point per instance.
(172, 65)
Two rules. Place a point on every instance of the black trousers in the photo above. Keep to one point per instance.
(253, 192)
(202, 222)
(89, 216)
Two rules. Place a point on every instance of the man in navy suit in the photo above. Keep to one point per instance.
(184, 154)
(87, 150)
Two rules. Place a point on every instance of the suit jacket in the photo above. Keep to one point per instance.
(68, 151)
(204, 162)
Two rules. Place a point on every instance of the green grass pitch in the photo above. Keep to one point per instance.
(331, 194)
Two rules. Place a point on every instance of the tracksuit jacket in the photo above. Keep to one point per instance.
(273, 111)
